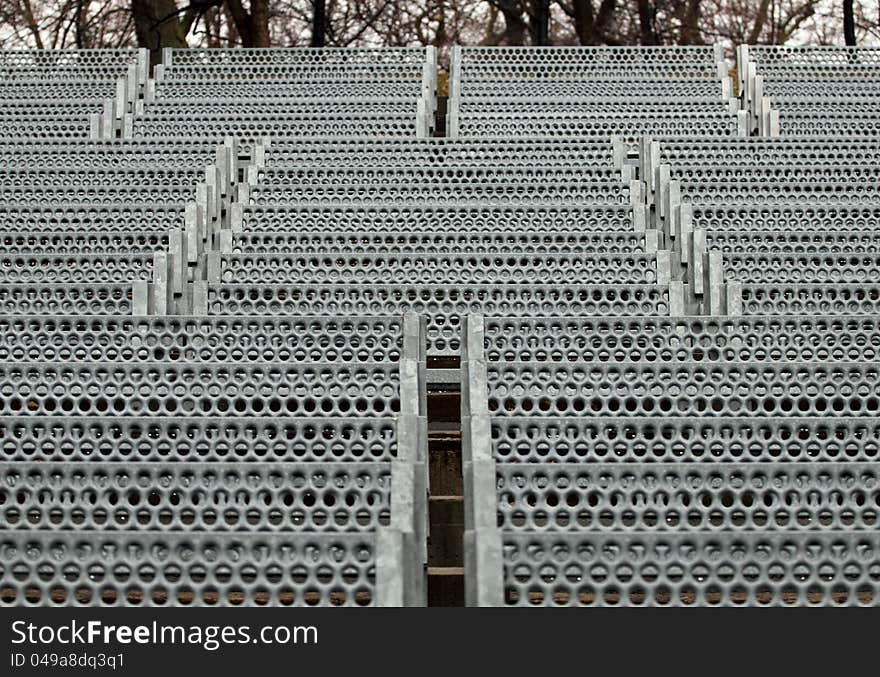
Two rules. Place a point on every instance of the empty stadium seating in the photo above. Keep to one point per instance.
(286, 455)
(723, 456)
(227, 282)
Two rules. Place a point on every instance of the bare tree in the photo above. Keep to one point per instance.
(514, 21)
(252, 26)
(647, 35)
(849, 23)
(213, 23)
(158, 24)
(28, 13)
(65, 23)
(539, 22)
(689, 23)
(590, 26)
(319, 23)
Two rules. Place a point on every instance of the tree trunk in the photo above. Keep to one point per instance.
(259, 23)
(319, 23)
(690, 24)
(760, 20)
(849, 23)
(589, 27)
(514, 23)
(646, 23)
(32, 24)
(540, 22)
(157, 25)
(253, 28)
(440, 37)
(514, 29)
(583, 21)
(232, 36)
(82, 21)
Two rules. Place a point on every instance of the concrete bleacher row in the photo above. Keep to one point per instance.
(213, 272)
(627, 92)
(811, 91)
(725, 456)
(285, 455)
